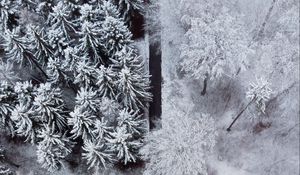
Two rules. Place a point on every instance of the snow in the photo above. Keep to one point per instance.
(263, 141)
(221, 167)
(257, 144)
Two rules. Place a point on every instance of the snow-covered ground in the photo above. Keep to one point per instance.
(264, 146)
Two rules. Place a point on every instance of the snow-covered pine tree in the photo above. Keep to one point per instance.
(114, 35)
(88, 123)
(89, 42)
(61, 32)
(85, 113)
(85, 73)
(81, 122)
(7, 105)
(106, 81)
(60, 19)
(91, 36)
(45, 7)
(61, 70)
(70, 60)
(7, 8)
(23, 115)
(41, 48)
(97, 154)
(109, 9)
(109, 108)
(18, 51)
(89, 99)
(132, 121)
(25, 92)
(57, 74)
(128, 58)
(57, 41)
(129, 7)
(259, 92)
(133, 84)
(124, 145)
(49, 107)
(102, 129)
(87, 13)
(52, 148)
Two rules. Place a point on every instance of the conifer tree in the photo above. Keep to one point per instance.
(61, 31)
(18, 50)
(85, 113)
(102, 129)
(89, 99)
(129, 7)
(88, 123)
(106, 81)
(132, 83)
(97, 154)
(59, 19)
(49, 107)
(42, 49)
(57, 41)
(124, 145)
(56, 72)
(85, 73)
(109, 9)
(115, 34)
(89, 42)
(52, 148)
(44, 7)
(23, 116)
(25, 92)
(7, 105)
(70, 60)
(7, 7)
(109, 107)
(132, 121)
(90, 13)
(260, 93)
(81, 122)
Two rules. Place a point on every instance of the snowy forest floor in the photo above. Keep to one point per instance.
(255, 146)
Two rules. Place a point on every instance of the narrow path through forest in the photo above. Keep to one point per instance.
(156, 79)
(137, 29)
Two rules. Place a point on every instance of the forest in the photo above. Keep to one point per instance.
(149, 87)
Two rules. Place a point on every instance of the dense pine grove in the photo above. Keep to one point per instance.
(75, 79)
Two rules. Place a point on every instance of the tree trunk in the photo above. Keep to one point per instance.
(238, 116)
(261, 30)
(203, 92)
